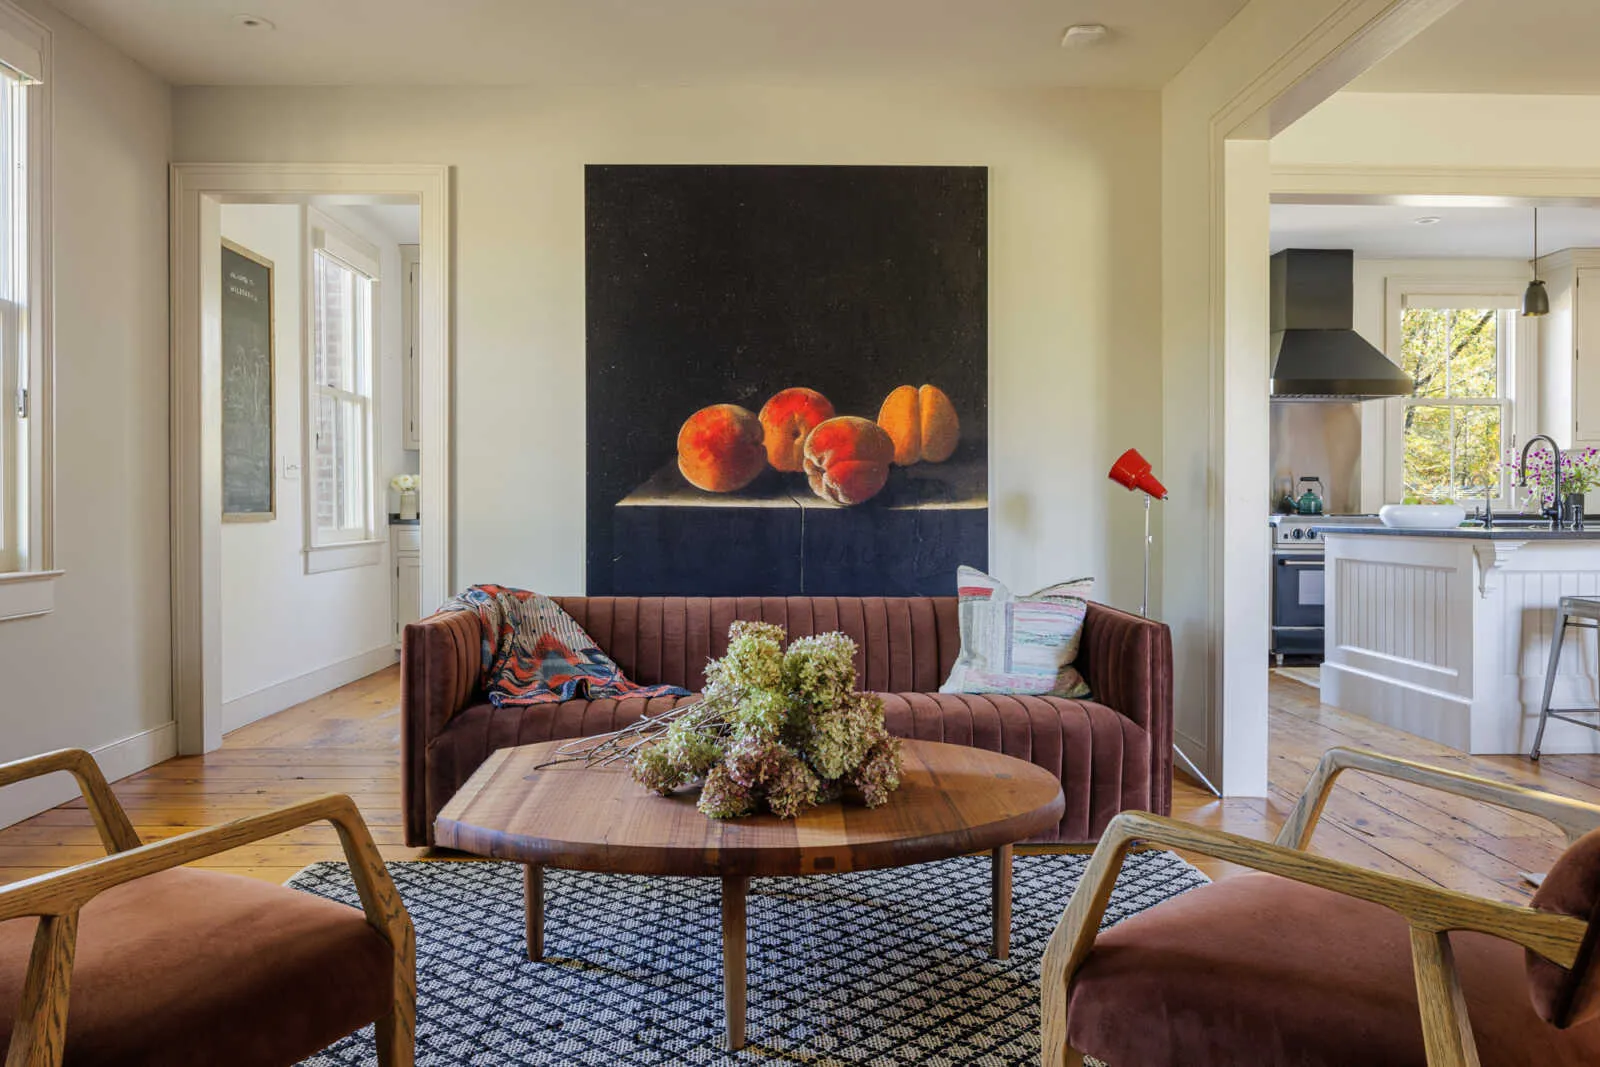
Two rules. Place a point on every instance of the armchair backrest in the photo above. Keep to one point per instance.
(1572, 887)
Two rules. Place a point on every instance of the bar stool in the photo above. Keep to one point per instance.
(1583, 613)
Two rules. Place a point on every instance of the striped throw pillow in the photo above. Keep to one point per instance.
(1012, 644)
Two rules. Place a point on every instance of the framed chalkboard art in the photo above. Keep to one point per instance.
(247, 394)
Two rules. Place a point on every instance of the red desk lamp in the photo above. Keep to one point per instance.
(1132, 471)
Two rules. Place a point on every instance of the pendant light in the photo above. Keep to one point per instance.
(1535, 301)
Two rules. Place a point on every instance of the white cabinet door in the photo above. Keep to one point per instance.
(1586, 358)
(407, 592)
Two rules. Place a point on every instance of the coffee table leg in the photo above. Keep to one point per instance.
(533, 909)
(1000, 890)
(733, 958)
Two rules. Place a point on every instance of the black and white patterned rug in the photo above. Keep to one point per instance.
(880, 968)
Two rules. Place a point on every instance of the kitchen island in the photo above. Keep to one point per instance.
(1446, 633)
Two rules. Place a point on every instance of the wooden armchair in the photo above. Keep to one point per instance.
(134, 959)
(1319, 962)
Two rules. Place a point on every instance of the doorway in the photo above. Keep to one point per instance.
(333, 227)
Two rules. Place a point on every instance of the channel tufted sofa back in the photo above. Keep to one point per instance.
(1112, 751)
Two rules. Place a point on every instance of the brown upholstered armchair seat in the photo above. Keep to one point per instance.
(1314, 962)
(194, 966)
(1261, 971)
(1111, 752)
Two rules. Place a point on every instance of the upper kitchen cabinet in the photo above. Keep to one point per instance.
(1569, 348)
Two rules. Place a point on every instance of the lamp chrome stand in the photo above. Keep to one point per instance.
(1144, 611)
(1144, 604)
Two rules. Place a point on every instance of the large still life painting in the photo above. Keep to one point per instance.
(787, 379)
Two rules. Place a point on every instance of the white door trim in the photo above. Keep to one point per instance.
(1234, 550)
(197, 192)
(1310, 183)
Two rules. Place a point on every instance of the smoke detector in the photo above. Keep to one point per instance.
(1083, 35)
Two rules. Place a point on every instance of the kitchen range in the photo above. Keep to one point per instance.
(1297, 583)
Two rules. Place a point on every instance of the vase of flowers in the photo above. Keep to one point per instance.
(406, 485)
(1580, 473)
(779, 728)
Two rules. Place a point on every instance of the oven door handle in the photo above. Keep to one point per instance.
(1300, 563)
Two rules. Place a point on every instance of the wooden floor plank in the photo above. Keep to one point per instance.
(348, 741)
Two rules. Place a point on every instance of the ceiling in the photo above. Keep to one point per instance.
(1498, 46)
(399, 223)
(1391, 231)
(648, 42)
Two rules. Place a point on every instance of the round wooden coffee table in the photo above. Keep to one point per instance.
(952, 800)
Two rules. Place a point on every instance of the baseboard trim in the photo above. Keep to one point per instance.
(117, 759)
(242, 711)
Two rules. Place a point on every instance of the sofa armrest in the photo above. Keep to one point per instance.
(1127, 660)
(441, 663)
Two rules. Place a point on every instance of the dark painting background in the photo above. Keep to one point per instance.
(709, 284)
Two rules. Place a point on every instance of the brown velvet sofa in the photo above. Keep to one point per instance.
(1111, 752)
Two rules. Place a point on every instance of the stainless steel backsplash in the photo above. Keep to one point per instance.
(1317, 438)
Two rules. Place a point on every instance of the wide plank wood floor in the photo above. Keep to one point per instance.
(348, 741)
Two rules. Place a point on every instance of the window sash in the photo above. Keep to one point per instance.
(1505, 355)
(340, 490)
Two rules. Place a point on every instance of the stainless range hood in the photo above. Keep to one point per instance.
(1316, 355)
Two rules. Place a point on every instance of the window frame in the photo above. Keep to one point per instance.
(1517, 371)
(352, 547)
(27, 581)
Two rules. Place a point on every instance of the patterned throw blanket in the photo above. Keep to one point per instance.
(535, 653)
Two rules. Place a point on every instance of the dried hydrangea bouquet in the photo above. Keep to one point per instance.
(780, 728)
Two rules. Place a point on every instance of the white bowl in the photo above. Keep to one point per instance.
(1422, 516)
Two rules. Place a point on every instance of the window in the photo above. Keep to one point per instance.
(25, 334)
(15, 329)
(340, 394)
(1461, 348)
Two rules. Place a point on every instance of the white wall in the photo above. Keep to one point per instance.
(288, 635)
(1074, 242)
(97, 671)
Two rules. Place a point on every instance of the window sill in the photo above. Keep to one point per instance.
(325, 558)
(26, 594)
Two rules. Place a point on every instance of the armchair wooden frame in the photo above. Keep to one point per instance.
(1430, 912)
(38, 1037)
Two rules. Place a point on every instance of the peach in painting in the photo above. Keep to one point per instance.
(786, 419)
(720, 448)
(922, 423)
(847, 459)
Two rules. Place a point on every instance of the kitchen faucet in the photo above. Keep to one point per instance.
(1522, 474)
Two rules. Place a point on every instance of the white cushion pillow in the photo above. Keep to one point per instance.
(1012, 644)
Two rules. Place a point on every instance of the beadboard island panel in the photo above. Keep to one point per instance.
(1448, 636)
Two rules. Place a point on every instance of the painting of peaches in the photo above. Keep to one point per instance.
(786, 379)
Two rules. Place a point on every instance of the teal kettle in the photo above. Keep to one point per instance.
(1310, 499)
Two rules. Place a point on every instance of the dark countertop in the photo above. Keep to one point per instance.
(396, 520)
(1499, 533)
